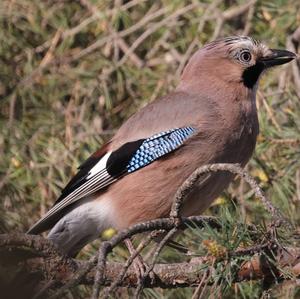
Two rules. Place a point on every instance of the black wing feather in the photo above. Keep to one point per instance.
(103, 168)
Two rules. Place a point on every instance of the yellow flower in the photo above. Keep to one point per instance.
(260, 138)
(221, 200)
(267, 16)
(108, 233)
(260, 174)
(15, 162)
(214, 248)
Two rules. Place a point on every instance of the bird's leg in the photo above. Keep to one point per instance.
(138, 263)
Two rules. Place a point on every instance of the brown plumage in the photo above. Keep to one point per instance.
(216, 97)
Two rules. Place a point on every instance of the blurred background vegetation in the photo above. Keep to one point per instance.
(72, 71)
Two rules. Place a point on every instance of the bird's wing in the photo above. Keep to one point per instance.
(104, 167)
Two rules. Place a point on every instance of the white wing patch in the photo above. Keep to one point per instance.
(99, 166)
(97, 179)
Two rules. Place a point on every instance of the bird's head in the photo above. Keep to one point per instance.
(237, 59)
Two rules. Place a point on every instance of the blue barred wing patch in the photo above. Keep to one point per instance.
(157, 146)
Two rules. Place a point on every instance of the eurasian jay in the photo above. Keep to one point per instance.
(210, 117)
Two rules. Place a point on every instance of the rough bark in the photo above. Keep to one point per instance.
(29, 263)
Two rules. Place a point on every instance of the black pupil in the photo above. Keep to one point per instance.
(246, 56)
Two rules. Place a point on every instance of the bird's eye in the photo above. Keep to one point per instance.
(245, 56)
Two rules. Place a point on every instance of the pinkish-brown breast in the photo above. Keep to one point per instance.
(222, 137)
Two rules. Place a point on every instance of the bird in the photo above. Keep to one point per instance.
(210, 117)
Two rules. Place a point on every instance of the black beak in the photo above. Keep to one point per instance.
(277, 57)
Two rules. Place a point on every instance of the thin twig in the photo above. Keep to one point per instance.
(204, 18)
(269, 110)
(160, 246)
(187, 186)
(237, 10)
(286, 141)
(199, 288)
(94, 17)
(99, 43)
(128, 263)
(248, 22)
(163, 223)
(154, 28)
(132, 56)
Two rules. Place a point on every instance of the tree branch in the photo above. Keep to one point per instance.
(53, 267)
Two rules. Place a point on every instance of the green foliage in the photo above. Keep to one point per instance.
(66, 84)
